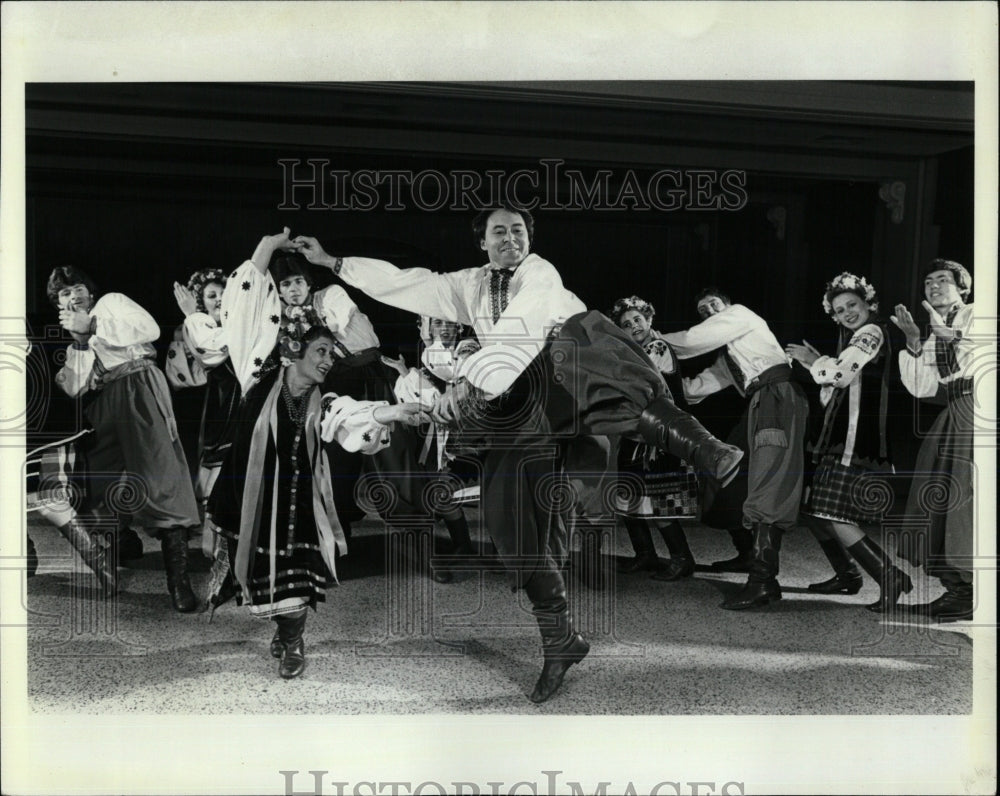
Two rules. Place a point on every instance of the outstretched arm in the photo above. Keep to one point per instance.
(712, 333)
(416, 290)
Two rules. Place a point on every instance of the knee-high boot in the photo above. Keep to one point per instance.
(681, 563)
(291, 628)
(762, 586)
(642, 543)
(892, 580)
(562, 645)
(173, 542)
(93, 555)
(743, 542)
(846, 578)
(665, 426)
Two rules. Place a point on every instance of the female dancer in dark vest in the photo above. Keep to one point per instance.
(853, 447)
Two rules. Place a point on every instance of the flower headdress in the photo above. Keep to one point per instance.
(296, 321)
(624, 305)
(846, 282)
(199, 279)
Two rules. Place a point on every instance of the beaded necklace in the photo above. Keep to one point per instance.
(297, 409)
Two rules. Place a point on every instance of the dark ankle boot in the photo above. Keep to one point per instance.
(562, 645)
(642, 543)
(668, 428)
(290, 634)
(876, 563)
(846, 578)
(681, 563)
(173, 542)
(955, 605)
(92, 553)
(31, 558)
(762, 586)
(743, 542)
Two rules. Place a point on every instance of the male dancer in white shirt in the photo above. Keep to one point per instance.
(548, 372)
(111, 365)
(944, 363)
(755, 364)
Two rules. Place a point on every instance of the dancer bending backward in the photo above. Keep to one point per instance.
(945, 456)
(754, 363)
(273, 499)
(547, 368)
(111, 365)
(853, 446)
(445, 346)
(360, 371)
(634, 316)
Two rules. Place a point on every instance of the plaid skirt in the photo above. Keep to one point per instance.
(847, 493)
(663, 487)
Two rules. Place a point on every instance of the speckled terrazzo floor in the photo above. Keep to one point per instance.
(472, 647)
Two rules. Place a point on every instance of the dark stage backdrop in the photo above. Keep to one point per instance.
(139, 214)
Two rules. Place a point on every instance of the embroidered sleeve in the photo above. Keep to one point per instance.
(662, 355)
(352, 424)
(843, 370)
(251, 315)
(183, 369)
(203, 337)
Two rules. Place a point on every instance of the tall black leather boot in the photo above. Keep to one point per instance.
(762, 586)
(681, 563)
(846, 578)
(92, 553)
(291, 628)
(892, 580)
(743, 542)
(562, 645)
(668, 428)
(642, 543)
(173, 542)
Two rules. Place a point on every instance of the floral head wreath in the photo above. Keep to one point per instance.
(200, 279)
(624, 305)
(846, 282)
(296, 321)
